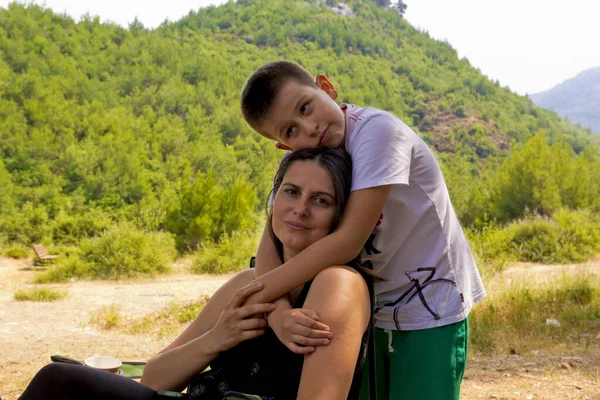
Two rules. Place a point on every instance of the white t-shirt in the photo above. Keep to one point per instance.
(418, 245)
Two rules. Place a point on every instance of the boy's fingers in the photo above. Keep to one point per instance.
(311, 333)
(244, 292)
(310, 313)
(307, 341)
(311, 323)
(300, 349)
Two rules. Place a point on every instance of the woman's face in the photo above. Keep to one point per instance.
(304, 207)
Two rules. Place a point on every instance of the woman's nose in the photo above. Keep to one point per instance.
(301, 209)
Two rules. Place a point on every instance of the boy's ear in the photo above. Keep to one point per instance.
(283, 147)
(326, 86)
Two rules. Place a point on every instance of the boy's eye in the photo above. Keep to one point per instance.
(305, 107)
(290, 131)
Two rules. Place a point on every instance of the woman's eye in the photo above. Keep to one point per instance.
(291, 192)
(321, 201)
(305, 107)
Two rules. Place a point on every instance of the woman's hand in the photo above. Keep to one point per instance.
(300, 331)
(238, 323)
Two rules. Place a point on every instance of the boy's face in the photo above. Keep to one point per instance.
(305, 117)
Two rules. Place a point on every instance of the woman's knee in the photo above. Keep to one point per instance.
(52, 374)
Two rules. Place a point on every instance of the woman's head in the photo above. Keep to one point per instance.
(311, 190)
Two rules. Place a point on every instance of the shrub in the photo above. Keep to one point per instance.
(108, 317)
(517, 317)
(570, 236)
(206, 210)
(534, 239)
(65, 268)
(460, 112)
(70, 229)
(231, 254)
(121, 252)
(45, 295)
(16, 251)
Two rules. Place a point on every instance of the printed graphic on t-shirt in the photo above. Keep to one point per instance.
(369, 247)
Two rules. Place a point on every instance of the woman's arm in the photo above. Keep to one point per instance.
(341, 297)
(205, 338)
(361, 215)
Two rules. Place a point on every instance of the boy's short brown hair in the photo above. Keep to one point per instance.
(264, 84)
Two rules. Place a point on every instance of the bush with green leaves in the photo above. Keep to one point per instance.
(16, 251)
(206, 210)
(569, 236)
(232, 253)
(123, 251)
(517, 317)
(69, 228)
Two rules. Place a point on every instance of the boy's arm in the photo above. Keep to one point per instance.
(267, 260)
(299, 330)
(360, 217)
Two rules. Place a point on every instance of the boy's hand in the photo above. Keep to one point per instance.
(300, 331)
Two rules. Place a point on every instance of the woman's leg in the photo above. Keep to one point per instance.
(73, 382)
(340, 297)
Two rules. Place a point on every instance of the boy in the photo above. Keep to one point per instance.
(418, 247)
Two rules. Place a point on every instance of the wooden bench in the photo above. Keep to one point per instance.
(42, 256)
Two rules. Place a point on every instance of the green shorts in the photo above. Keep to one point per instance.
(426, 364)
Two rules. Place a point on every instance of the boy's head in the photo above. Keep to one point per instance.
(283, 102)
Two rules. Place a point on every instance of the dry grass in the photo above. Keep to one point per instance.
(43, 295)
(31, 332)
(106, 318)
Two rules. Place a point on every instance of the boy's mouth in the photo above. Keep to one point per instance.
(324, 136)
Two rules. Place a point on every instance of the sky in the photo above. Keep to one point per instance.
(527, 45)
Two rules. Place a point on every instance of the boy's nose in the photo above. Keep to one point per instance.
(311, 129)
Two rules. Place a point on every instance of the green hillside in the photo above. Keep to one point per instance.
(102, 125)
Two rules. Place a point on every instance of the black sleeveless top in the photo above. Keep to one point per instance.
(263, 366)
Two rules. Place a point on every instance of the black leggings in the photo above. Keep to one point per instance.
(60, 381)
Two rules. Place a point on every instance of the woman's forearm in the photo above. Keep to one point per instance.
(173, 369)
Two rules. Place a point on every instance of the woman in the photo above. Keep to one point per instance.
(311, 189)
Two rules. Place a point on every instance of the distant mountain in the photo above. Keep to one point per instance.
(577, 99)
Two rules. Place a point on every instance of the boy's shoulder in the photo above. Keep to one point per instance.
(362, 120)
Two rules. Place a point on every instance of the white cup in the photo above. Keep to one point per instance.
(104, 363)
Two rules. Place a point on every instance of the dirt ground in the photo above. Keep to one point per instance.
(31, 332)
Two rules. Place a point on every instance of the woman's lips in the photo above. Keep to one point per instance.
(324, 137)
(295, 226)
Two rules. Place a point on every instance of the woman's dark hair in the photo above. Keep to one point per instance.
(336, 162)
